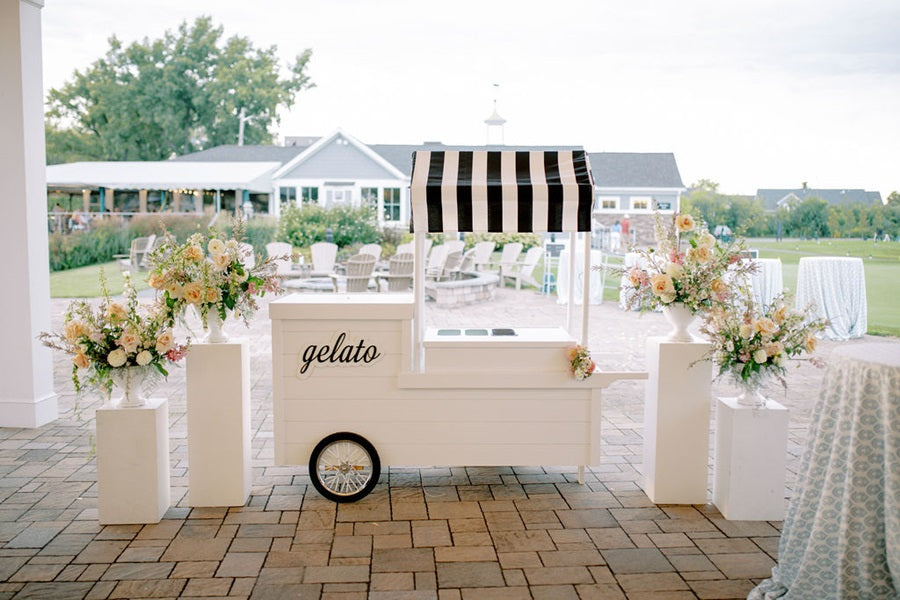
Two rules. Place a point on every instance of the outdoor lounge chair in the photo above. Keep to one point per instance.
(523, 272)
(435, 265)
(482, 254)
(508, 260)
(400, 272)
(280, 253)
(373, 249)
(136, 259)
(323, 257)
(358, 273)
(449, 268)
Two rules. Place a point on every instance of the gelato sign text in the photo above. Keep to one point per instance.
(336, 354)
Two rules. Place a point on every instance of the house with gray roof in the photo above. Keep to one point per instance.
(339, 169)
(773, 199)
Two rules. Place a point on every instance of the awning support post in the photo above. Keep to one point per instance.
(419, 293)
(586, 288)
(570, 300)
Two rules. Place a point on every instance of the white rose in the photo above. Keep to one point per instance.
(706, 240)
(116, 358)
(221, 261)
(216, 246)
(674, 270)
(143, 358)
(760, 356)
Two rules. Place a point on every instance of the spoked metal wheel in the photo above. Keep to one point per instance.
(344, 467)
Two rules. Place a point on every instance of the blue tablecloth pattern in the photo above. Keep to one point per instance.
(841, 535)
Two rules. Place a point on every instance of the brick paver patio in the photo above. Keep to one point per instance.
(447, 533)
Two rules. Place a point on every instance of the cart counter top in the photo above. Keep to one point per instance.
(493, 337)
(342, 306)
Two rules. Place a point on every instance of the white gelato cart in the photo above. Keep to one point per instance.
(359, 383)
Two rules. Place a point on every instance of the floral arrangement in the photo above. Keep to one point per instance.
(689, 266)
(581, 363)
(102, 340)
(751, 343)
(209, 273)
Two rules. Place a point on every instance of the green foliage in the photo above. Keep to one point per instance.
(173, 95)
(179, 225)
(808, 219)
(528, 240)
(744, 216)
(259, 231)
(81, 248)
(304, 226)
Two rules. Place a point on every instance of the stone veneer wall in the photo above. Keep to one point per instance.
(642, 224)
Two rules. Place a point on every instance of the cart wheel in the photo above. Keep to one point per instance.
(344, 467)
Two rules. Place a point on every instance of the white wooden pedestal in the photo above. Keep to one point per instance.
(133, 463)
(218, 424)
(751, 449)
(676, 422)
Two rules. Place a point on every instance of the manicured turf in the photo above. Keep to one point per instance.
(84, 282)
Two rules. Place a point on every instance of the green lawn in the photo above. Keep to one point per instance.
(882, 265)
(84, 282)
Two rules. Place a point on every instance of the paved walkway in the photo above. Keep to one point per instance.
(447, 533)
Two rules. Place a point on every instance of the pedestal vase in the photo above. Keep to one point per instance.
(214, 325)
(679, 317)
(131, 385)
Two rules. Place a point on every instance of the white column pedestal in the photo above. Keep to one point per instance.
(218, 420)
(133, 463)
(751, 456)
(676, 422)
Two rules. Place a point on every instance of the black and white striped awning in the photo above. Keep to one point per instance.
(501, 191)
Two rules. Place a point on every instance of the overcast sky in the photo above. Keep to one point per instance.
(769, 93)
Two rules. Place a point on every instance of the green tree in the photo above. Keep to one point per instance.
(809, 218)
(175, 95)
(893, 198)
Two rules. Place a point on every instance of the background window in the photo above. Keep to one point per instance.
(309, 195)
(370, 196)
(288, 195)
(640, 203)
(391, 204)
(608, 202)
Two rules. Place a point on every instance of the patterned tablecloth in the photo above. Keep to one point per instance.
(596, 277)
(766, 282)
(841, 536)
(837, 287)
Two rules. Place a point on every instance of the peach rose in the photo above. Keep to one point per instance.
(810, 342)
(706, 240)
(780, 314)
(193, 252)
(74, 330)
(165, 342)
(221, 261)
(81, 361)
(765, 326)
(129, 341)
(674, 270)
(684, 223)
(116, 312)
(213, 294)
(718, 287)
(156, 281)
(192, 292)
(661, 284)
(700, 254)
(746, 331)
(175, 290)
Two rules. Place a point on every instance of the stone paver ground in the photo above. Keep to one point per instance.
(448, 533)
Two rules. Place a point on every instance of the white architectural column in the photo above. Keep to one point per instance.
(27, 398)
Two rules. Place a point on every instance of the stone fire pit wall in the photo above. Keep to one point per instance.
(472, 287)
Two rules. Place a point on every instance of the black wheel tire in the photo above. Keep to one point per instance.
(344, 467)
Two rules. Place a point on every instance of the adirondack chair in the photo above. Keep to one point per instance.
(400, 272)
(522, 272)
(482, 254)
(449, 268)
(508, 260)
(436, 258)
(280, 253)
(358, 273)
(136, 259)
(323, 256)
(373, 249)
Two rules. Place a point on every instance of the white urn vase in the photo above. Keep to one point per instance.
(679, 317)
(214, 326)
(132, 383)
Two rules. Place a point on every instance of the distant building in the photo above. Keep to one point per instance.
(340, 169)
(773, 199)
